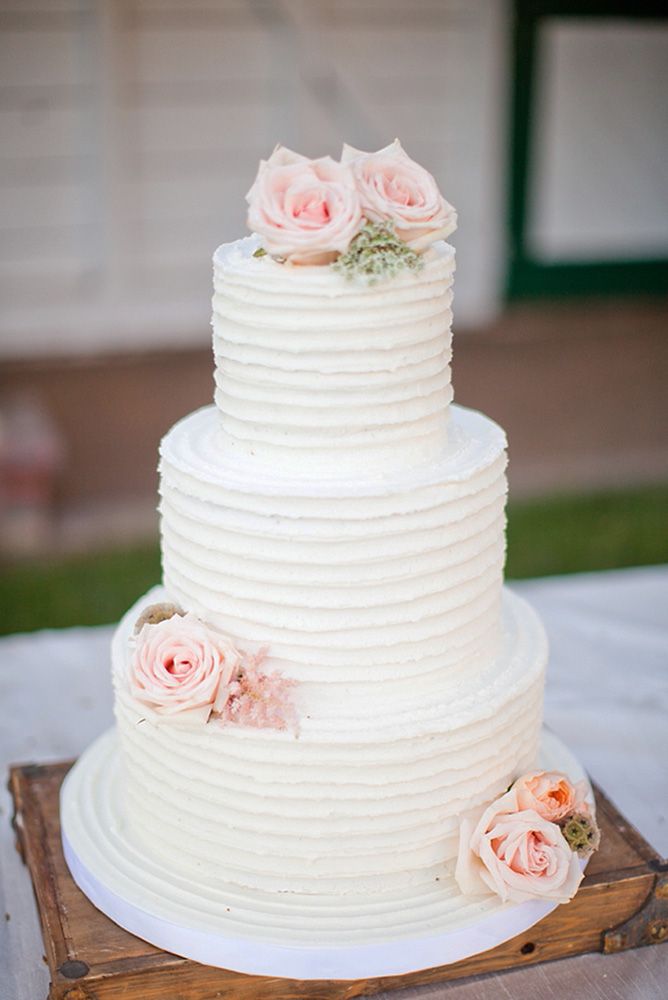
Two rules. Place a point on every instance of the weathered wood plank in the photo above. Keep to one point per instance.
(91, 958)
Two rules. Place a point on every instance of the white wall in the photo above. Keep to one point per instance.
(131, 130)
(601, 141)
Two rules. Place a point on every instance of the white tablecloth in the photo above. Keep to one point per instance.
(607, 698)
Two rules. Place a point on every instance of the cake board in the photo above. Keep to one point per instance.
(622, 903)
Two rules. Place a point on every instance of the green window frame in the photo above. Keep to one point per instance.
(528, 278)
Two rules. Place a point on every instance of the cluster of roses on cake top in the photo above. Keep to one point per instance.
(369, 214)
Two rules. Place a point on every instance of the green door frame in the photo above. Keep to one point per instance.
(528, 278)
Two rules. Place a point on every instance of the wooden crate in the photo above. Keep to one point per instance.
(622, 903)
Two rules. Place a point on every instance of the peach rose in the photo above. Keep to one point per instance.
(394, 187)
(550, 794)
(306, 211)
(179, 665)
(517, 854)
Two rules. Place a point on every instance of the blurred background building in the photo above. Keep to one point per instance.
(131, 130)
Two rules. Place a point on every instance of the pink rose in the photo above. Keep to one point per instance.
(179, 665)
(307, 211)
(550, 794)
(392, 186)
(516, 854)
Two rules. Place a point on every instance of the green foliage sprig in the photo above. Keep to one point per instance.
(376, 254)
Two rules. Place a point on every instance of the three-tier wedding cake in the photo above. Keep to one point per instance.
(332, 680)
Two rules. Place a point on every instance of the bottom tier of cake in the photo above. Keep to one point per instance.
(371, 806)
(273, 934)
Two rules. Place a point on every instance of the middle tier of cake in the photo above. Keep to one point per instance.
(346, 582)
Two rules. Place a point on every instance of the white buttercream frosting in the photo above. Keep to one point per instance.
(384, 579)
(335, 507)
(367, 797)
(316, 375)
(290, 934)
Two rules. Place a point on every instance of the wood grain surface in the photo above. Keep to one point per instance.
(623, 902)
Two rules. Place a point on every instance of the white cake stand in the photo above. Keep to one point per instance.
(253, 933)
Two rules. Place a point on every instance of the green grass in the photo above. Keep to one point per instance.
(89, 589)
(594, 532)
(545, 537)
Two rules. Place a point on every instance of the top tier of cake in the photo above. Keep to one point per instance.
(320, 377)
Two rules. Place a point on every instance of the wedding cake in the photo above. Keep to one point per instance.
(332, 680)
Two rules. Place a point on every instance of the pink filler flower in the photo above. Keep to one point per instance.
(258, 699)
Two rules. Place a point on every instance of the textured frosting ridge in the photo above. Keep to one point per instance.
(336, 507)
(369, 801)
(319, 376)
(373, 578)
